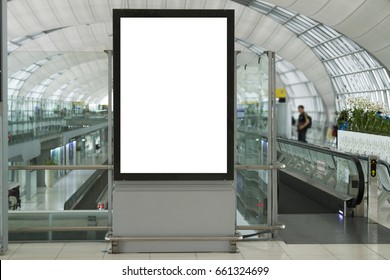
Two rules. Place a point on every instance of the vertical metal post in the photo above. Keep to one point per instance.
(272, 207)
(4, 128)
(235, 126)
(372, 206)
(110, 135)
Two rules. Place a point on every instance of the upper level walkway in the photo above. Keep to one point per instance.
(53, 198)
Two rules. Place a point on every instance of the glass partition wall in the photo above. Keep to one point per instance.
(58, 146)
(50, 127)
(255, 167)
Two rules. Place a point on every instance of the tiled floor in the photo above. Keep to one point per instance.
(248, 250)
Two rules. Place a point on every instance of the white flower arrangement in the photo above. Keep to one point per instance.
(363, 115)
(366, 105)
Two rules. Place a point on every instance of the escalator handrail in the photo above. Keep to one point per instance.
(354, 158)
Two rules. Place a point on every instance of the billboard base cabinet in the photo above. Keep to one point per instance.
(174, 217)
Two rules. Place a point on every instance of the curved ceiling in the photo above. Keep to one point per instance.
(364, 21)
(75, 33)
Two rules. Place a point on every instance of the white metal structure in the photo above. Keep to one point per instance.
(56, 47)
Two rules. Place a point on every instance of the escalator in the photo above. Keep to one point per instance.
(318, 179)
(298, 197)
(323, 196)
(91, 195)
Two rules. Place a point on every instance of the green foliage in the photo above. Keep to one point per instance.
(361, 115)
(50, 162)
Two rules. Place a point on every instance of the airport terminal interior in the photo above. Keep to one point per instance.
(325, 198)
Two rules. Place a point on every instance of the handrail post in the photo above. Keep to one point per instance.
(110, 136)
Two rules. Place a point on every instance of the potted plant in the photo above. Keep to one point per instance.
(50, 175)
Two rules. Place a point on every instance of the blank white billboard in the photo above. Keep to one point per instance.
(173, 100)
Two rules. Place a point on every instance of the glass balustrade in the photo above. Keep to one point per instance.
(339, 174)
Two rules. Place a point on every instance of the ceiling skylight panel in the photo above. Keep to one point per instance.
(15, 83)
(349, 44)
(22, 75)
(344, 65)
(357, 81)
(367, 81)
(260, 6)
(32, 67)
(378, 79)
(33, 95)
(283, 66)
(369, 60)
(349, 64)
(294, 26)
(291, 77)
(11, 47)
(329, 49)
(323, 52)
(46, 82)
(21, 40)
(357, 56)
(320, 36)
(309, 40)
(12, 92)
(54, 97)
(39, 88)
(281, 15)
(385, 79)
(306, 22)
(332, 48)
(329, 32)
(332, 68)
(354, 83)
(42, 61)
(340, 85)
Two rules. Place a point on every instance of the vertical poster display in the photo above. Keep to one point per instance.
(173, 94)
(70, 153)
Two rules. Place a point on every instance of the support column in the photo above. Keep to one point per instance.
(272, 210)
(4, 128)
